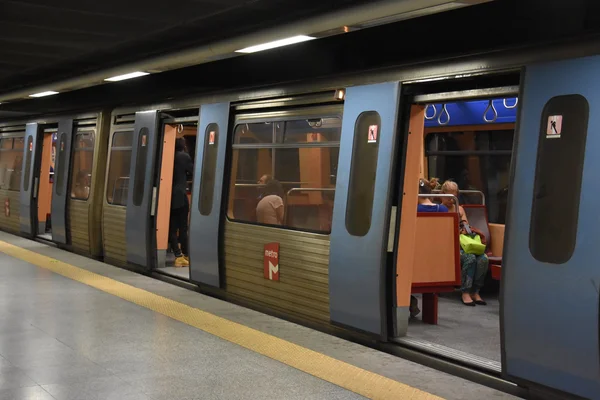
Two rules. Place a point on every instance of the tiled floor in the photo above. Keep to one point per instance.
(61, 339)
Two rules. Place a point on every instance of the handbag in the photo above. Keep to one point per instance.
(471, 240)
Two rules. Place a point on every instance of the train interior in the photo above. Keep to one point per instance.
(469, 142)
(186, 128)
(46, 181)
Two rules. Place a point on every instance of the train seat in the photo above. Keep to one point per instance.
(477, 215)
(436, 260)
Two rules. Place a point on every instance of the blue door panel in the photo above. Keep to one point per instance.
(357, 280)
(205, 229)
(140, 234)
(28, 198)
(550, 312)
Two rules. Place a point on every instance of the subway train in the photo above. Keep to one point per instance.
(510, 128)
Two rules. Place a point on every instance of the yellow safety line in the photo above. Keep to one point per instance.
(340, 373)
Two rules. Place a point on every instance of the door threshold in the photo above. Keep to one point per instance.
(467, 359)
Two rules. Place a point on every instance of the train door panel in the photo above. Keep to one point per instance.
(357, 263)
(550, 290)
(165, 192)
(141, 197)
(211, 145)
(61, 181)
(29, 181)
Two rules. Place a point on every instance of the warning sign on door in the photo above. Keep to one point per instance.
(373, 133)
(211, 137)
(554, 127)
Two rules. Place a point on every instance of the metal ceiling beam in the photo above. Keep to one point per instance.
(372, 14)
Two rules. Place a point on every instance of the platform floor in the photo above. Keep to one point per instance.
(75, 328)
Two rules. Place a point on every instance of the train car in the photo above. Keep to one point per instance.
(53, 180)
(349, 248)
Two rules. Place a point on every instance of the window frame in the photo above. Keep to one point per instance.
(13, 138)
(112, 148)
(76, 150)
(313, 112)
(430, 133)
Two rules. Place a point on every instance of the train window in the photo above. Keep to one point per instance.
(475, 160)
(297, 159)
(140, 167)
(28, 163)
(363, 171)
(83, 160)
(62, 142)
(19, 144)
(209, 166)
(11, 163)
(117, 182)
(6, 144)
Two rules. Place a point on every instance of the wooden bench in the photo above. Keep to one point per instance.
(494, 233)
(437, 260)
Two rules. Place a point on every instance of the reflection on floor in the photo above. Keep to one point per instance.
(183, 273)
(45, 236)
(473, 330)
(169, 269)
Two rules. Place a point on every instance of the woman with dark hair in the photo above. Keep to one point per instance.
(270, 208)
(425, 203)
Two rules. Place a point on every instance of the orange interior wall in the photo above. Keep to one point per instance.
(45, 187)
(163, 210)
(408, 214)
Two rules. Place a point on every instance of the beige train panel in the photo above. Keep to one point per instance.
(285, 301)
(276, 234)
(308, 274)
(78, 222)
(113, 228)
(10, 223)
(303, 289)
(287, 308)
(286, 283)
(319, 252)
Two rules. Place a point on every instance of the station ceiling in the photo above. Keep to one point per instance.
(42, 41)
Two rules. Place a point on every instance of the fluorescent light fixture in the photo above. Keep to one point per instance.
(276, 43)
(131, 75)
(43, 94)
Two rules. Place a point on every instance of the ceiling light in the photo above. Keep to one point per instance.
(43, 94)
(276, 43)
(131, 75)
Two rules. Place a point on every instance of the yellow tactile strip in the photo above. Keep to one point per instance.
(340, 373)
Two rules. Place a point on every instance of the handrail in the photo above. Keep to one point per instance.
(467, 191)
(442, 112)
(494, 111)
(510, 107)
(479, 192)
(427, 117)
(310, 190)
(445, 195)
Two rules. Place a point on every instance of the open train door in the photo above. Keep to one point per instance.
(141, 197)
(29, 181)
(358, 252)
(61, 181)
(205, 211)
(550, 276)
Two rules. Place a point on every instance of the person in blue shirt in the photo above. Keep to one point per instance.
(425, 203)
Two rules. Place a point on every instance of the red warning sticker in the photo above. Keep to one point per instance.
(211, 137)
(143, 140)
(554, 128)
(373, 133)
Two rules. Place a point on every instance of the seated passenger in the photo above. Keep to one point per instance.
(425, 203)
(270, 208)
(473, 267)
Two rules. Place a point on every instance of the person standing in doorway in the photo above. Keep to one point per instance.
(178, 224)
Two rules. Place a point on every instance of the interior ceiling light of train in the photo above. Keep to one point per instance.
(320, 26)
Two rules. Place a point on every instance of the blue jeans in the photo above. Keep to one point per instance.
(473, 271)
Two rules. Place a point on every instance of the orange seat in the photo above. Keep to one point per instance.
(437, 259)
